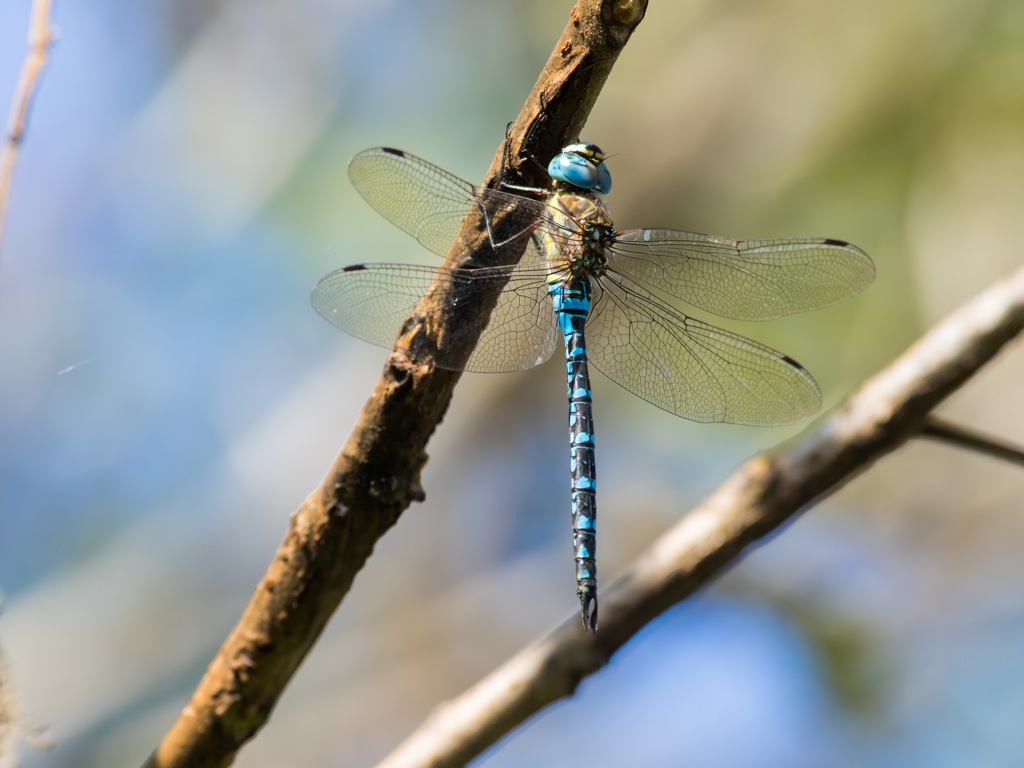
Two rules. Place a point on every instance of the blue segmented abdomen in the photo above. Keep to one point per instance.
(571, 298)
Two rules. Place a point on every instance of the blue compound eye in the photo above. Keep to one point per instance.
(576, 166)
(574, 170)
(604, 179)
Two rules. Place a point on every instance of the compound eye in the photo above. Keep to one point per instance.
(575, 170)
(604, 179)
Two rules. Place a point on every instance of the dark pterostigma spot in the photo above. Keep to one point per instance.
(790, 360)
(833, 241)
(353, 268)
(393, 151)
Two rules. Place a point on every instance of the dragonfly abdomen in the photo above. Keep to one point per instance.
(571, 299)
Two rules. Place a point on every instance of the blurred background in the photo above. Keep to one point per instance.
(168, 397)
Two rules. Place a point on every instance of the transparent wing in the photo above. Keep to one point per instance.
(743, 279)
(690, 368)
(372, 301)
(430, 204)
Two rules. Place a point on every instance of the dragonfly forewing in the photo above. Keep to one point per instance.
(431, 204)
(743, 279)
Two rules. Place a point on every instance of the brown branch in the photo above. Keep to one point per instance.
(377, 473)
(40, 37)
(952, 434)
(763, 494)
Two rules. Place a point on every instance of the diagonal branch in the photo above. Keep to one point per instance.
(764, 493)
(376, 476)
(40, 37)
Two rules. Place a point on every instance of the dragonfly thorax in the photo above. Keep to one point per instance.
(592, 257)
(589, 234)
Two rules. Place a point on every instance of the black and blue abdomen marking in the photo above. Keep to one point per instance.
(572, 301)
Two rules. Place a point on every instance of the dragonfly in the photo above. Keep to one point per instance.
(609, 294)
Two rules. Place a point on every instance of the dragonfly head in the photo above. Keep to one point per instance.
(582, 166)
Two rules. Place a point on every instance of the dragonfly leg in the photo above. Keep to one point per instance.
(525, 153)
(524, 149)
(528, 190)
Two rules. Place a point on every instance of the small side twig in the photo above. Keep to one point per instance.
(763, 494)
(943, 431)
(40, 37)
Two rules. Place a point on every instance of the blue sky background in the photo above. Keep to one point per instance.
(168, 397)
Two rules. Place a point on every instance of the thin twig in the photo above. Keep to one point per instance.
(10, 716)
(40, 37)
(763, 494)
(13, 728)
(377, 474)
(943, 431)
